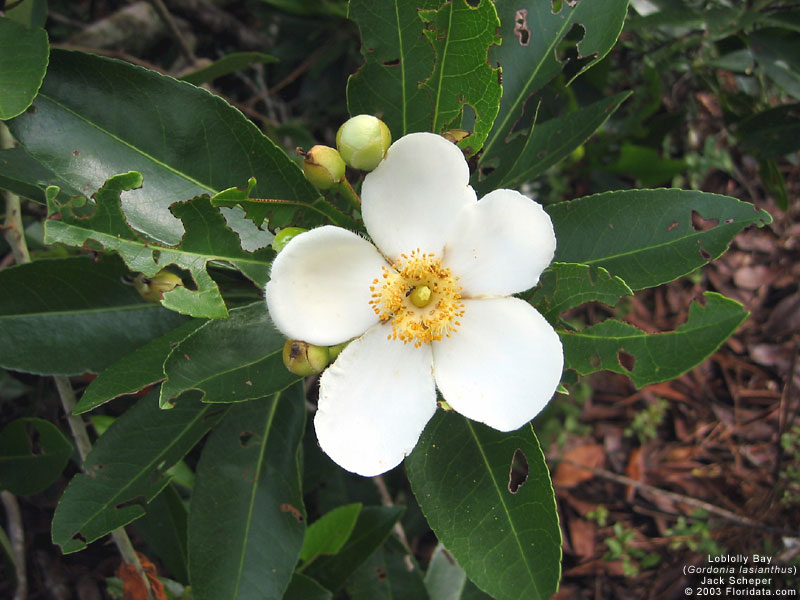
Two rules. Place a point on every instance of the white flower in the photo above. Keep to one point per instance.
(428, 308)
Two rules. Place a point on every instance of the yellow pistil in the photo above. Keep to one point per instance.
(420, 298)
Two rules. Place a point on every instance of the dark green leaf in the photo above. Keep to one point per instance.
(207, 238)
(229, 360)
(372, 528)
(391, 573)
(649, 237)
(646, 165)
(566, 285)
(397, 57)
(96, 117)
(23, 63)
(33, 452)
(446, 580)
(329, 533)
(525, 157)
(305, 588)
(67, 316)
(616, 346)
(247, 519)
(531, 33)
(134, 372)
(163, 528)
(502, 530)
(777, 51)
(127, 467)
(772, 133)
(772, 178)
(461, 36)
(225, 65)
(23, 175)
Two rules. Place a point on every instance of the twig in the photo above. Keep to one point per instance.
(165, 15)
(16, 535)
(708, 507)
(13, 230)
(386, 500)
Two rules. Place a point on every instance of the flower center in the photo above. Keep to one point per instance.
(420, 297)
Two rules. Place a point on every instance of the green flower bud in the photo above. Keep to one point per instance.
(334, 351)
(305, 359)
(363, 141)
(152, 289)
(323, 167)
(284, 236)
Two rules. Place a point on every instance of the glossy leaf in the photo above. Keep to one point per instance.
(651, 358)
(391, 573)
(207, 238)
(23, 63)
(229, 360)
(163, 528)
(531, 33)
(305, 588)
(446, 580)
(72, 315)
(33, 452)
(567, 285)
(134, 372)
(505, 536)
(23, 175)
(97, 117)
(461, 36)
(649, 237)
(127, 467)
(329, 533)
(397, 58)
(526, 156)
(247, 520)
(226, 65)
(374, 525)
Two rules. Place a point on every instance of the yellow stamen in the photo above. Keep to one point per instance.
(420, 298)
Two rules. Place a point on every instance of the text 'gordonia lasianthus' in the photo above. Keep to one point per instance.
(429, 307)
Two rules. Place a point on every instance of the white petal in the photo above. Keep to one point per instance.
(503, 364)
(374, 402)
(500, 245)
(319, 286)
(411, 199)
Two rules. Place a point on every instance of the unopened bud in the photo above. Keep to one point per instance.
(323, 167)
(284, 236)
(363, 141)
(305, 359)
(334, 351)
(152, 289)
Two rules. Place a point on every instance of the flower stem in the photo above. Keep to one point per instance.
(346, 190)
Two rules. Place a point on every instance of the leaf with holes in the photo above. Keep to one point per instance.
(487, 496)
(567, 285)
(419, 82)
(390, 573)
(652, 358)
(134, 372)
(23, 63)
(373, 526)
(207, 237)
(33, 452)
(526, 156)
(71, 315)
(649, 237)
(127, 468)
(96, 117)
(247, 519)
(229, 360)
(531, 33)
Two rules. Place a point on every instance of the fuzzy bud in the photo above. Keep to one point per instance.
(284, 236)
(323, 167)
(363, 141)
(153, 288)
(305, 359)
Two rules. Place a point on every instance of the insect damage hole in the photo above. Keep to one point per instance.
(521, 29)
(627, 361)
(518, 473)
(701, 224)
